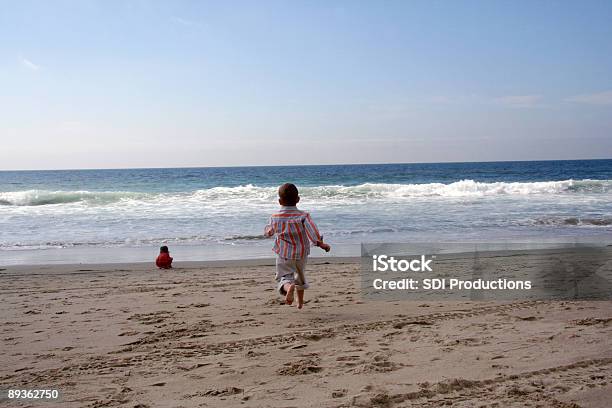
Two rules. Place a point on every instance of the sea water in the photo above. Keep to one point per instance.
(219, 213)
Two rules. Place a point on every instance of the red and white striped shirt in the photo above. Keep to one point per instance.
(294, 230)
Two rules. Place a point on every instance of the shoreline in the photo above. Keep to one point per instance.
(75, 268)
(143, 254)
(193, 255)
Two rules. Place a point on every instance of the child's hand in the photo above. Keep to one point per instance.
(268, 231)
(324, 246)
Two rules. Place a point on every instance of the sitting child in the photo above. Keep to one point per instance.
(164, 260)
(293, 230)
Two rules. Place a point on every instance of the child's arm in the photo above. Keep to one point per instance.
(313, 234)
(323, 245)
(269, 229)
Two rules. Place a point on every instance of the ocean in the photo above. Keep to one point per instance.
(121, 215)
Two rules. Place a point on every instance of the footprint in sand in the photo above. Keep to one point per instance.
(307, 365)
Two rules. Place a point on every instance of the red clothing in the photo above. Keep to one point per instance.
(164, 260)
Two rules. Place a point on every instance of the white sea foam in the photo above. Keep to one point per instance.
(463, 188)
(45, 197)
(255, 194)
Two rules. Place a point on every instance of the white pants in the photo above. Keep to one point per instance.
(291, 271)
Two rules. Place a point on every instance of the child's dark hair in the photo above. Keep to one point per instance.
(163, 249)
(288, 193)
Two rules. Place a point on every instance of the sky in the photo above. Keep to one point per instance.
(119, 84)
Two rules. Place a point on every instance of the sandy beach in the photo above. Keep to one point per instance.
(427, 183)
(216, 335)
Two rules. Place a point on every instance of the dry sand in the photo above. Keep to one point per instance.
(216, 335)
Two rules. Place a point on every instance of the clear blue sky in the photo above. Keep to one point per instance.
(167, 83)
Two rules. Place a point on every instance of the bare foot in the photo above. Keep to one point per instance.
(289, 295)
(300, 296)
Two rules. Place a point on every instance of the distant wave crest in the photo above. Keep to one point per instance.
(463, 188)
(44, 197)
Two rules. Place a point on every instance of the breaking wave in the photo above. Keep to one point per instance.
(44, 197)
(463, 188)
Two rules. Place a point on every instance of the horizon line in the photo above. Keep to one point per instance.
(304, 165)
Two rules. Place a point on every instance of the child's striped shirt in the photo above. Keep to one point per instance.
(293, 230)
